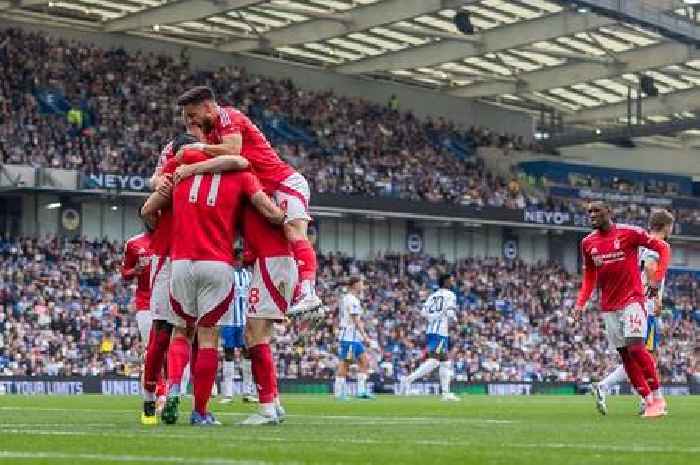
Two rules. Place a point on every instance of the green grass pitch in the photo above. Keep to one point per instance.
(390, 430)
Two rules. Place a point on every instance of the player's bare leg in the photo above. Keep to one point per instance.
(296, 231)
(179, 355)
(204, 374)
(258, 334)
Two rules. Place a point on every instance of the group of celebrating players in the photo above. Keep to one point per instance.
(221, 178)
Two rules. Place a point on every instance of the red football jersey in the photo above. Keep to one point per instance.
(613, 255)
(206, 209)
(264, 161)
(262, 238)
(160, 238)
(137, 249)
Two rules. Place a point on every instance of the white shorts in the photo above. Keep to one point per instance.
(293, 196)
(272, 287)
(201, 290)
(144, 321)
(161, 309)
(628, 322)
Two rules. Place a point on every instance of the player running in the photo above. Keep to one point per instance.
(439, 309)
(230, 132)
(610, 255)
(352, 336)
(271, 292)
(660, 227)
(231, 331)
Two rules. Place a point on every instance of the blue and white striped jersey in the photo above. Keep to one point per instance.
(239, 305)
(349, 306)
(439, 309)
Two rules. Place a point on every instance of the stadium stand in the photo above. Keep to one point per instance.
(76, 106)
(64, 311)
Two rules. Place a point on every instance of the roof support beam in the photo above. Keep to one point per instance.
(569, 55)
(500, 38)
(365, 17)
(668, 104)
(175, 12)
(633, 61)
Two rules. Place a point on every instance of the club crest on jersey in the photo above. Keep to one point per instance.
(616, 244)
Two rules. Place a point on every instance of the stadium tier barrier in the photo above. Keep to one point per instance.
(125, 386)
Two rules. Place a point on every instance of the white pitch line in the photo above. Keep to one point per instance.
(359, 419)
(609, 447)
(101, 458)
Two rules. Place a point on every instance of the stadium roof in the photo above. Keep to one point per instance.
(524, 54)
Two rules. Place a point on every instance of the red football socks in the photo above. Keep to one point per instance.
(158, 341)
(178, 358)
(263, 368)
(305, 256)
(204, 374)
(634, 372)
(647, 364)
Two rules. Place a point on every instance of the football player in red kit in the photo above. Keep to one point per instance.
(610, 255)
(230, 132)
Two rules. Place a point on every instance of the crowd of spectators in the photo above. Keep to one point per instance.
(118, 111)
(65, 311)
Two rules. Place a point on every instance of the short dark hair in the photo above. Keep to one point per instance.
(659, 219)
(182, 140)
(196, 94)
(443, 279)
(354, 280)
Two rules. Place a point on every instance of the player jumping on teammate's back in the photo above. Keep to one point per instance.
(438, 309)
(660, 227)
(231, 332)
(352, 336)
(230, 132)
(610, 256)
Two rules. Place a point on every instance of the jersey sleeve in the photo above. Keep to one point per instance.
(128, 262)
(170, 165)
(229, 123)
(250, 184)
(589, 277)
